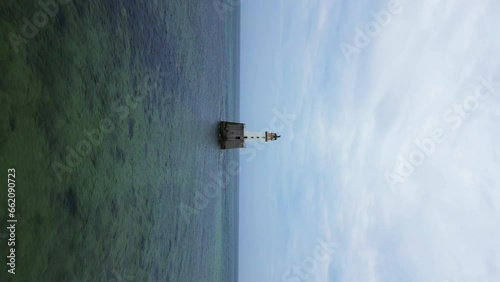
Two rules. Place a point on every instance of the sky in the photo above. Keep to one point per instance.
(388, 165)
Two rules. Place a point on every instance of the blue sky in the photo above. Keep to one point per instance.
(391, 152)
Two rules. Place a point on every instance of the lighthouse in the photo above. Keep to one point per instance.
(233, 135)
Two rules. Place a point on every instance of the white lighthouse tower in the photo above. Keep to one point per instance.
(232, 135)
(250, 136)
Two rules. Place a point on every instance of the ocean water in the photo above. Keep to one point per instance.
(109, 114)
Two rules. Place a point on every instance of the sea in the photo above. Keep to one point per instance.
(109, 113)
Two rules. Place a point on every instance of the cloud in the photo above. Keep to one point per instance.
(355, 120)
(408, 84)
